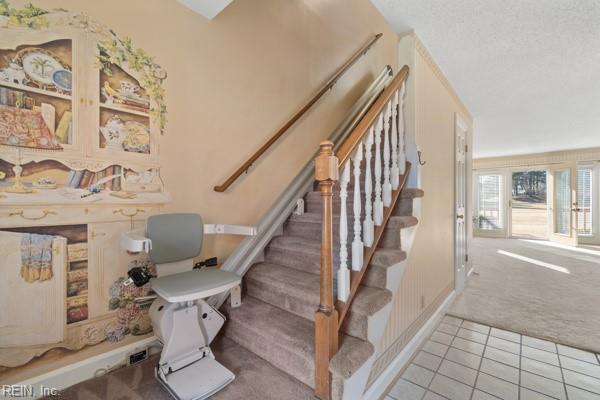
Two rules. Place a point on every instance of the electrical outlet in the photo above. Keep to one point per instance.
(137, 357)
(422, 302)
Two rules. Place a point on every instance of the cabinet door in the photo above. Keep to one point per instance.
(39, 85)
(32, 313)
(107, 262)
(122, 126)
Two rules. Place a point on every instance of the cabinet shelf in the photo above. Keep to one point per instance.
(124, 110)
(35, 90)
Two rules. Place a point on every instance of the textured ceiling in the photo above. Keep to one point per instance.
(528, 70)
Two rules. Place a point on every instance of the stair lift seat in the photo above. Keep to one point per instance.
(182, 320)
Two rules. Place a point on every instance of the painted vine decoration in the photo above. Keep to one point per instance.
(120, 51)
(112, 49)
(29, 16)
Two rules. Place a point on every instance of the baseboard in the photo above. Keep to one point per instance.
(62, 378)
(385, 379)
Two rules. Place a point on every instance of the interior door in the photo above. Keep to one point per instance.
(562, 200)
(460, 211)
(33, 313)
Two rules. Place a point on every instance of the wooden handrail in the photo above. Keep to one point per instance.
(328, 86)
(361, 129)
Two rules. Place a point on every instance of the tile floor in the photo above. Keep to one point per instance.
(463, 360)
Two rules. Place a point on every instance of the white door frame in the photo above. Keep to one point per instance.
(594, 238)
(461, 178)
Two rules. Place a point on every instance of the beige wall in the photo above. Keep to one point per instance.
(235, 80)
(429, 276)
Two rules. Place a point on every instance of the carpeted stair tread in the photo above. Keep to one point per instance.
(298, 292)
(309, 226)
(305, 254)
(387, 257)
(376, 275)
(412, 193)
(287, 340)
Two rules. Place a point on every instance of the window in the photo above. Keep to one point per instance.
(584, 201)
(489, 202)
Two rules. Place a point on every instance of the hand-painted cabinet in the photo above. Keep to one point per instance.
(81, 116)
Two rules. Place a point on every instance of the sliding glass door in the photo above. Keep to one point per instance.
(528, 212)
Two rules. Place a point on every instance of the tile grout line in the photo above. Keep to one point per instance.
(520, 364)
(480, 362)
(509, 365)
(435, 373)
(482, 356)
(561, 372)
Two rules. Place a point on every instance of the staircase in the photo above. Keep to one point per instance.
(276, 319)
(319, 282)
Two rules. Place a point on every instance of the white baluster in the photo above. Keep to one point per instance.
(387, 186)
(343, 274)
(357, 244)
(401, 138)
(368, 225)
(395, 172)
(378, 204)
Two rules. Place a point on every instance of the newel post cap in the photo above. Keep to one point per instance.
(326, 164)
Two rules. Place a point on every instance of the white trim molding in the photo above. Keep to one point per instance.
(378, 389)
(69, 375)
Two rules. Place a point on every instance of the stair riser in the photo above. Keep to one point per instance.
(304, 307)
(268, 348)
(404, 207)
(389, 240)
(375, 277)
(313, 204)
(303, 261)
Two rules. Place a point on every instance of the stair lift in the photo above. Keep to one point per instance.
(182, 320)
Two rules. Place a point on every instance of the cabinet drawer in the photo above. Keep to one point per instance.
(46, 216)
(36, 216)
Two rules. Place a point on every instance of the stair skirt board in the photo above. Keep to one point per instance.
(379, 387)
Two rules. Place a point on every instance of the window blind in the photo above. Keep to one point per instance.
(584, 201)
(489, 202)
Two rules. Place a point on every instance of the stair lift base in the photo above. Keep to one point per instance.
(181, 319)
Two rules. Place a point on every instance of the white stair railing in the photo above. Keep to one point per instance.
(400, 127)
(395, 171)
(390, 162)
(368, 224)
(357, 244)
(343, 274)
(331, 168)
(387, 186)
(378, 205)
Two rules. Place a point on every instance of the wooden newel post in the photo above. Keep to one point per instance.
(326, 317)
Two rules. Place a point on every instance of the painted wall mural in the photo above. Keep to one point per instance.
(82, 111)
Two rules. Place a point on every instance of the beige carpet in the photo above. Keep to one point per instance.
(536, 300)
(256, 379)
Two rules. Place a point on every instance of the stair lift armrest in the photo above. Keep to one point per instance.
(136, 241)
(222, 229)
